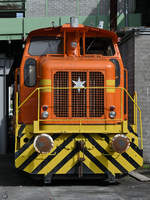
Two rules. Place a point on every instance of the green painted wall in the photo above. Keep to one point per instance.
(18, 28)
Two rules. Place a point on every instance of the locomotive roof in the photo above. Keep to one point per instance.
(81, 28)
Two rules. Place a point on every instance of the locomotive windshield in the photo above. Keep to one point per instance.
(45, 45)
(102, 46)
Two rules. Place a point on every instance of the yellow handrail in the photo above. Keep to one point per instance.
(141, 131)
(60, 88)
(17, 110)
(135, 109)
(38, 104)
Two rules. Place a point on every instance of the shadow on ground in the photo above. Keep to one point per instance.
(9, 176)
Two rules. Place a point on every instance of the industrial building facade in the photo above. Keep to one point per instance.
(18, 18)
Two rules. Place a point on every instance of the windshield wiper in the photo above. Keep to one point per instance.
(90, 45)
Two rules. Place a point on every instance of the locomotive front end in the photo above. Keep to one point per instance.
(73, 113)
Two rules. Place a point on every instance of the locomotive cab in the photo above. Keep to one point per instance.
(72, 115)
(77, 58)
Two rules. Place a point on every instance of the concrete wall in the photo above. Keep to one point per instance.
(135, 50)
(142, 85)
(5, 65)
(3, 121)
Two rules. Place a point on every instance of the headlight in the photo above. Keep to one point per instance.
(43, 143)
(120, 143)
(45, 115)
(30, 72)
(112, 114)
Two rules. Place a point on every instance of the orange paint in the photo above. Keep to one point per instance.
(74, 65)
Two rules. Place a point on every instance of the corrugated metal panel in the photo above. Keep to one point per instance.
(62, 8)
(132, 6)
(121, 6)
(104, 7)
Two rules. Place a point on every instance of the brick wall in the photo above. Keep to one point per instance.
(142, 85)
(127, 51)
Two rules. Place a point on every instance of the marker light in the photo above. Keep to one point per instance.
(45, 115)
(43, 143)
(120, 143)
(112, 114)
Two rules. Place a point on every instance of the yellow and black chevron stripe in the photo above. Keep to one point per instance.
(64, 158)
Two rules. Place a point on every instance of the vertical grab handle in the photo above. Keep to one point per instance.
(126, 87)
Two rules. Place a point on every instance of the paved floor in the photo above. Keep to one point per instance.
(16, 186)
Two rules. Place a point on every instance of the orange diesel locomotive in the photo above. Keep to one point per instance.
(71, 105)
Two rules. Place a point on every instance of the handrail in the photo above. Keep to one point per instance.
(135, 109)
(140, 113)
(121, 88)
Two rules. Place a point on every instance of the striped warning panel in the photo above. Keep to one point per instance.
(66, 158)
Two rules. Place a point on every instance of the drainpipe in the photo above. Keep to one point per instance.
(113, 15)
(3, 133)
(126, 12)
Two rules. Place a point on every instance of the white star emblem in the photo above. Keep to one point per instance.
(79, 84)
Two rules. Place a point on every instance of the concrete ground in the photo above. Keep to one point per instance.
(17, 186)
